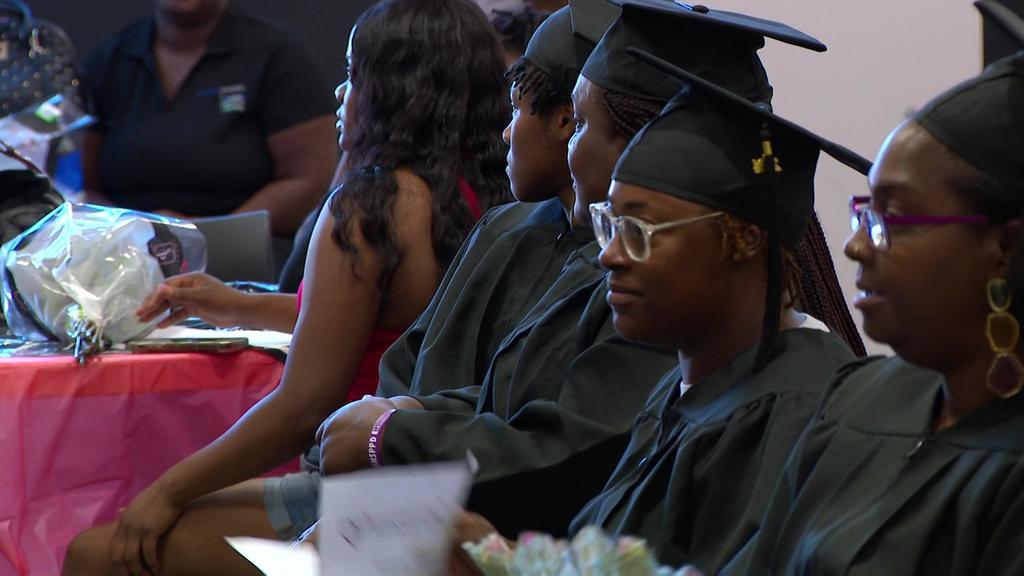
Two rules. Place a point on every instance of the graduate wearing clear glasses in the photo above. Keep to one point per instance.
(700, 260)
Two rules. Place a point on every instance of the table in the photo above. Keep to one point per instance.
(78, 442)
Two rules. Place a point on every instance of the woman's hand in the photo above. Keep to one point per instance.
(194, 294)
(142, 523)
(472, 527)
(469, 527)
(460, 564)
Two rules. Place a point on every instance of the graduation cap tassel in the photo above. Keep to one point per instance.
(772, 305)
(768, 165)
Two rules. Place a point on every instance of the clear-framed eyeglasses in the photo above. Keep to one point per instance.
(877, 225)
(634, 233)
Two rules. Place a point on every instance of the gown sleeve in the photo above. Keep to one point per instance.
(542, 464)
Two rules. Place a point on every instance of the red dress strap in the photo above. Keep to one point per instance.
(472, 201)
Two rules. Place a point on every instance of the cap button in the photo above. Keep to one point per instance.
(700, 8)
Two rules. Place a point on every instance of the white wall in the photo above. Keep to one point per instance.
(885, 58)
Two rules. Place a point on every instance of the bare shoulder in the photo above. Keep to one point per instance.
(412, 207)
(413, 191)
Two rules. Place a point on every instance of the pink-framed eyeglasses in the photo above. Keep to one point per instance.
(877, 225)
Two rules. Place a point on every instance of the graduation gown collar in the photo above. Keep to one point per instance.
(734, 385)
(914, 391)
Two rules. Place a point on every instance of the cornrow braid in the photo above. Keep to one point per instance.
(543, 91)
(809, 276)
(630, 113)
(819, 292)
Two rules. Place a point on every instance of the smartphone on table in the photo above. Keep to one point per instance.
(214, 345)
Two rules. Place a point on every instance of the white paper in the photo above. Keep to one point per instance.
(393, 521)
(278, 558)
(258, 338)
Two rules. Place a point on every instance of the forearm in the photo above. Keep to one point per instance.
(288, 200)
(267, 436)
(269, 311)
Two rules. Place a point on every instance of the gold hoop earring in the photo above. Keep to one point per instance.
(1005, 375)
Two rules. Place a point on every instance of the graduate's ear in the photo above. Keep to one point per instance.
(561, 122)
(1009, 242)
(741, 240)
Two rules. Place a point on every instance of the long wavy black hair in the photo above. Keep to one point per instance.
(427, 78)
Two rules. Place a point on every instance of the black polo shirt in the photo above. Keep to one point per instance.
(205, 152)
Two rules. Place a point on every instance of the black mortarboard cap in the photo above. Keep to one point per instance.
(722, 132)
(1004, 18)
(981, 120)
(591, 18)
(558, 48)
(713, 147)
(717, 45)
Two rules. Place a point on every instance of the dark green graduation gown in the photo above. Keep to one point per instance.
(506, 264)
(870, 490)
(552, 414)
(700, 468)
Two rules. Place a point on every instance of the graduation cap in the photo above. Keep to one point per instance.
(591, 18)
(981, 120)
(562, 43)
(718, 45)
(745, 160)
(1004, 18)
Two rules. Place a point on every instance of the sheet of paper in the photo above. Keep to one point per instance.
(278, 558)
(393, 521)
(258, 338)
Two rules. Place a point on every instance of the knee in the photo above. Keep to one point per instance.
(88, 554)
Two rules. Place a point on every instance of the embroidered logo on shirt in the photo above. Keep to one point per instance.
(5, 50)
(232, 98)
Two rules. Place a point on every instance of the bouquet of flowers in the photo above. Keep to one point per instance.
(590, 553)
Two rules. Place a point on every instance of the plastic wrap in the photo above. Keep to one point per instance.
(31, 130)
(93, 266)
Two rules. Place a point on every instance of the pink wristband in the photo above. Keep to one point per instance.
(376, 435)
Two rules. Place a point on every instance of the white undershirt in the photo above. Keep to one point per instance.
(806, 321)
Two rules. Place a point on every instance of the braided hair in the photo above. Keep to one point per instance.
(818, 292)
(545, 91)
(813, 287)
(630, 113)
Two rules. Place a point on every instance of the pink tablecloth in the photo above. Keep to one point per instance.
(77, 443)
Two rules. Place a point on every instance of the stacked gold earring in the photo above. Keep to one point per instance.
(1006, 375)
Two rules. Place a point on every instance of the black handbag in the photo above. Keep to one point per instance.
(37, 60)
(26, 196)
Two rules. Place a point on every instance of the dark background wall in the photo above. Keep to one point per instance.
(997, 43)
(324, 23)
